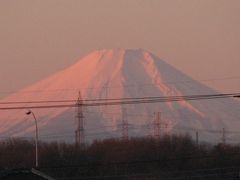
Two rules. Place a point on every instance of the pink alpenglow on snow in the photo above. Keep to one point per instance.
(120, 73)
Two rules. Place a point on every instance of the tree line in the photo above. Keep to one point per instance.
(167, 156)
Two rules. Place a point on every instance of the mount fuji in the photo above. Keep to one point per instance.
(120, 73)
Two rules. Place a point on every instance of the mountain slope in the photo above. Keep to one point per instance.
(120, 73)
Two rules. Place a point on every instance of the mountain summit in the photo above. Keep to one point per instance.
(120, 73)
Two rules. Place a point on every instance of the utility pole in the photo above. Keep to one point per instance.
(124, 124)
(223, 136)
(157, 125)
(79, 133)
(197, 138)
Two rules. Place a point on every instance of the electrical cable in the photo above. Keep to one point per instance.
(122, 101)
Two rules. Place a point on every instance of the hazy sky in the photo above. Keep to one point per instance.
(199, 37)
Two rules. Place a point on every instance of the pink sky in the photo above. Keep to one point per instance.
(199, 37)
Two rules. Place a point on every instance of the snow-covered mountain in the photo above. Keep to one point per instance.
(120, 73)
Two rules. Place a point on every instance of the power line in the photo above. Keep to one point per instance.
(119, 101)
(167, 98)
(127, 85)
